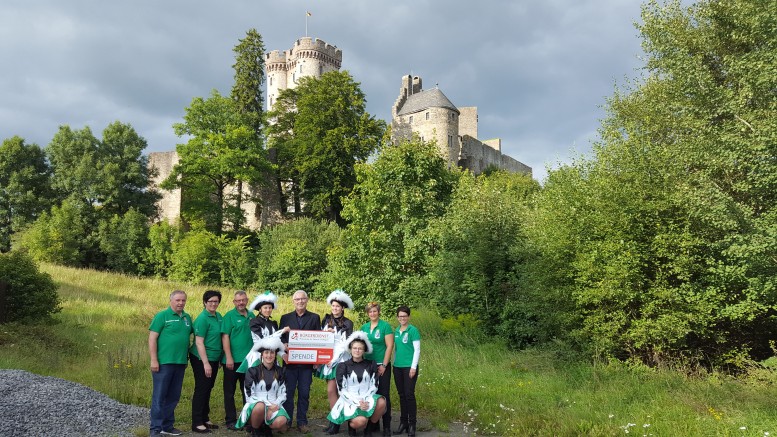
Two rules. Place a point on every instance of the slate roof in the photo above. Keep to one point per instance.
(432, 98)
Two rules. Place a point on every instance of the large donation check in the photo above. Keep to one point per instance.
(310, 347)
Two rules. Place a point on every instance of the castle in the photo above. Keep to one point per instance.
(427, 113)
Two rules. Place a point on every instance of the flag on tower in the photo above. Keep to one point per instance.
(307, 13)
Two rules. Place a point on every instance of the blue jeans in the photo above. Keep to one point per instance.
(299, 377)
(167, 383)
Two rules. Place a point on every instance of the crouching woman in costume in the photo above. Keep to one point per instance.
(262, 326)
(265, 390)
(357, 381)
(342, 327)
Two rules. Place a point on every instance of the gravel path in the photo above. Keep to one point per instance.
(34, 405)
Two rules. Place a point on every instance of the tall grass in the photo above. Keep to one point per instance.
(467, 383)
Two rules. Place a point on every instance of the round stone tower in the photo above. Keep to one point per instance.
(308, 57)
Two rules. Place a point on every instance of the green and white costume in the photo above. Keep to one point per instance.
(356, 382)
(264, 387)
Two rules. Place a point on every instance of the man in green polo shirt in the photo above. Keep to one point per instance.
(168, 344)
(237, 342)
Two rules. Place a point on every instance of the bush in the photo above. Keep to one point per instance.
(123, 240)
(195, 258)
(293, 255)
(29, 294)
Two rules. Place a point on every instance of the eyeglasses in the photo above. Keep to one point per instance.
(300, 299)
(213, 302)
(402, 317)
(357, 348)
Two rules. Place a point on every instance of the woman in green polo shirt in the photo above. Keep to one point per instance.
(381, 336)
(207, 343)
(407, 352)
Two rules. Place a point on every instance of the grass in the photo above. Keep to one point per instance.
(467, 383)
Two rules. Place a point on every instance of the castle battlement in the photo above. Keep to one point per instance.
(315, 44)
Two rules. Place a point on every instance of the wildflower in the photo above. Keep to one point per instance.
(742, 428)
(611, 416)
(646, 425)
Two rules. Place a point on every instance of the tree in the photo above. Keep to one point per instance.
(73, 156)
(124, 173)
(476, 269)
(62, 236)
(323, 130)
(293, 255)
(384, 249)
(670, 232)
(124, 239)
(31, 295)
(249, 78)
(222, 149)
(25, 187)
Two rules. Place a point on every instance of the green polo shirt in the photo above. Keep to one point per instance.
(208, 327)
(403, 345)
(235, 325)
(174, 335)
(377, 337)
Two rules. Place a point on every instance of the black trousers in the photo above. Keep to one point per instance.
(406, 390)
(202, 388)
(384, 389)
(231, 380)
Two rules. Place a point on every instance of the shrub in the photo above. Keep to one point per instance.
(29, 294)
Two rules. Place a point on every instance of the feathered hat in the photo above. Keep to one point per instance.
(359, 335)
(340, 297)
(270, 342)
(264, 298)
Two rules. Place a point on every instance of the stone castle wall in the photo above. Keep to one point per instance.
(170, 204)
(307, 57)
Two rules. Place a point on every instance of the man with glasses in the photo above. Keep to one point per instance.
(299, 377)
(168, 345)
(237, 342)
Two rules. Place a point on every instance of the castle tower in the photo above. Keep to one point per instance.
(428, 113)
(308, 57)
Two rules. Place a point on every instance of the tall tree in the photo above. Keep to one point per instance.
(222, 149)
(247, 92)
(25, 187)
(384, 250)
(124, 172)
(73, 155)
(330, 132)
(670, 232)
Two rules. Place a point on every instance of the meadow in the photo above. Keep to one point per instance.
(467, 383)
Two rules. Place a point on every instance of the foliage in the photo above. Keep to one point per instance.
(158, 256)
(322, 130)
(25, 187)
(195, 258)
(124, 240)
(61, 236)
(670, 232)
(384, 250)
(73, 155)
(222, 149)
(31, 295)
(293, 255)
(249, 78)
(237, 262)
(480, 242)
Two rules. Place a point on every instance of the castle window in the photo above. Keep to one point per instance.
(270, 81)
(450, 141)
(427, 116)
(411, 119)
(300, 68)
(320, 70)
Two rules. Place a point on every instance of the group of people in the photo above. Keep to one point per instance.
(251, 349)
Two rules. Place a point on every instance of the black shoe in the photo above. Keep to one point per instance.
(402, 428)
(211, 425)
(204, 430)
(332, 429)
(386, 431)
(411, 430)
(351, 431)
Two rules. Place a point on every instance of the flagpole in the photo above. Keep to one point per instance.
(307, 14)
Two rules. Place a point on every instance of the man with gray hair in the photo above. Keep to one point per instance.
(299, 377)
(237, 342)
(168, 344)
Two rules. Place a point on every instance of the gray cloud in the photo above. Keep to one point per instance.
(537, 70)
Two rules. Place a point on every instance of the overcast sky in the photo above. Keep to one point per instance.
(538, 70)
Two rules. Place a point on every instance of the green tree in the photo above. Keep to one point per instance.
(480, 250)
(670, 232)
(293, 255)
(31, 295)
(61, 236)
(25, 187)
(158, 256)
(73, 155)
(384, 250)
(323, 130)
(124, 239)
(195, 258)
(249, 78)
(222, 149)
(124, 173)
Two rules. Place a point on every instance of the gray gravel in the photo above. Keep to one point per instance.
(34, 405)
